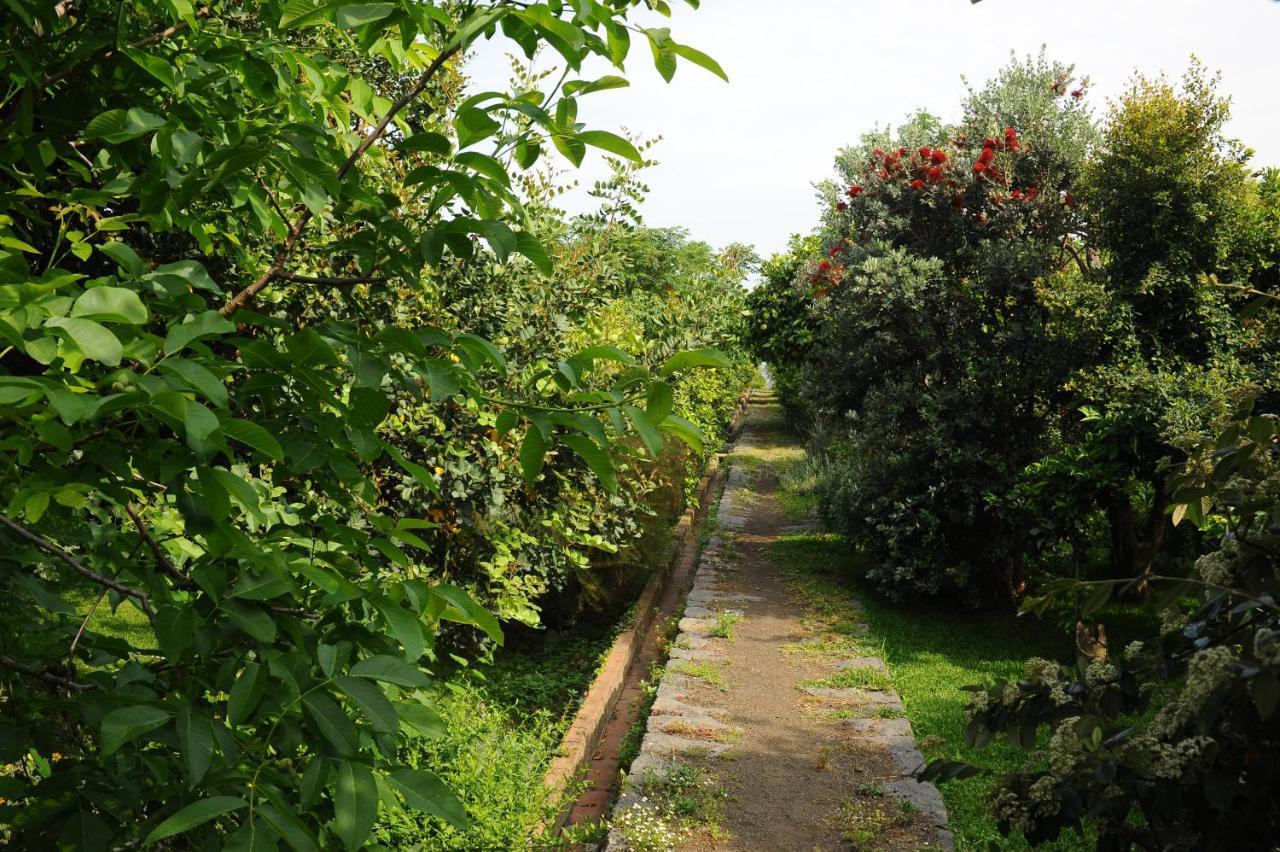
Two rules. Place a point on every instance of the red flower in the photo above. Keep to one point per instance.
(979, 167)
(988, 142)
(902, 152)
(1069, 200)
(935, 174)
(986, 156)
(917, 184)
(1032, 192)
(879, 152)
(1077, 93)
(824, 266)
(855, 191)
(1016, 195)
(841, 206)
(926, 152)
(834, 250)
(938, 157)
(882, 174)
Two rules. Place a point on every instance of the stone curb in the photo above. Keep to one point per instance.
(583, 735)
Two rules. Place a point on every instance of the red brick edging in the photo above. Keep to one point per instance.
(581, 740)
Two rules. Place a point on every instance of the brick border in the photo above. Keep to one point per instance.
(583, 736)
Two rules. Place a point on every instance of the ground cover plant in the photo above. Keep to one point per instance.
(261, 473)
(1033, 351)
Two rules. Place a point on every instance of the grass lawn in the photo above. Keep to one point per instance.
(932, 652)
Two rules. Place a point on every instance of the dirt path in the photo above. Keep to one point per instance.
(774, 727)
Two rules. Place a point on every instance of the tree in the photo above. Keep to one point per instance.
(211, 214)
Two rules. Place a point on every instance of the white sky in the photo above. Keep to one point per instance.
(738, 160)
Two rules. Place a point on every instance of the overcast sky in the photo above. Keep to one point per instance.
(739, 159)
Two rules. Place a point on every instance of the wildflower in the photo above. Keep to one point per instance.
(1069, 200)
(986, 156)
(1016, 195)
(855, 191)
(879, 152)
(1032, 192)
(1077, 93)
(835, 250)
(938, 157)
(824, 266)
(841, 206)
(917, 184)
(979, 167)
(935, 174)
(926, 152)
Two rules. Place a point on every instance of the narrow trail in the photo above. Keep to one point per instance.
(788, 728)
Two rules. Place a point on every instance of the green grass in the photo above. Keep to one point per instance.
(933, 652)
(858, 678)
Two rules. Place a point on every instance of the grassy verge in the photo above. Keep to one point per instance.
(932, 652)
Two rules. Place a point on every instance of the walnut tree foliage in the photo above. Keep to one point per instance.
(214, 220)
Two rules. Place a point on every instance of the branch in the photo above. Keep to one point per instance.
(276, 271)
(183, 582)
(340, 281)
(167, 32)
(1242, 288)
(144, 600)
(43, 674)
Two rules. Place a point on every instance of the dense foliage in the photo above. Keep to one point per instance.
(246, 398)
(1018, 341)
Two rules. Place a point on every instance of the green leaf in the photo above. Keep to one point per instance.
(114, 304)
(196, 738)
(251, 619)
(206, 324)
(186, 273)
(245, 693)
(700, 59)
(529, 246)
(93, 340)
(648, 433)
(128, 723)
(254, 436)
(611, 142)
(405, 626)
(421, 719)
(597, 459)
(684, 430)
(471, 611)
(374, 706)
(533, 451)
(196, 377)
(425, 792)
(681, 361)
(659, 401)
(287, 824)
(194, 814)
(118, 125)
(350, 17)
(390, 669)
(331, 721)
(355, 804)
(429, 143)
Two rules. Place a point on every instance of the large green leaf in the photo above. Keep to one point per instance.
(126, 724)
(195, 814)
(425, 792)
(355, 803)
(597, 459)
(93, 340)
(111, 304)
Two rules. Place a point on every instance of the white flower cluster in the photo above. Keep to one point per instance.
(644, 830)
(1206, 671)
(1100, 674)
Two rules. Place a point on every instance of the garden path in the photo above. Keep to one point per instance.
(789, 728)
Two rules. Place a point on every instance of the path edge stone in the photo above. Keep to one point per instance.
(583, 735)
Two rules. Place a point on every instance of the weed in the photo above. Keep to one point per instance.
(862, 677)
(725, 621)
(703, 671)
